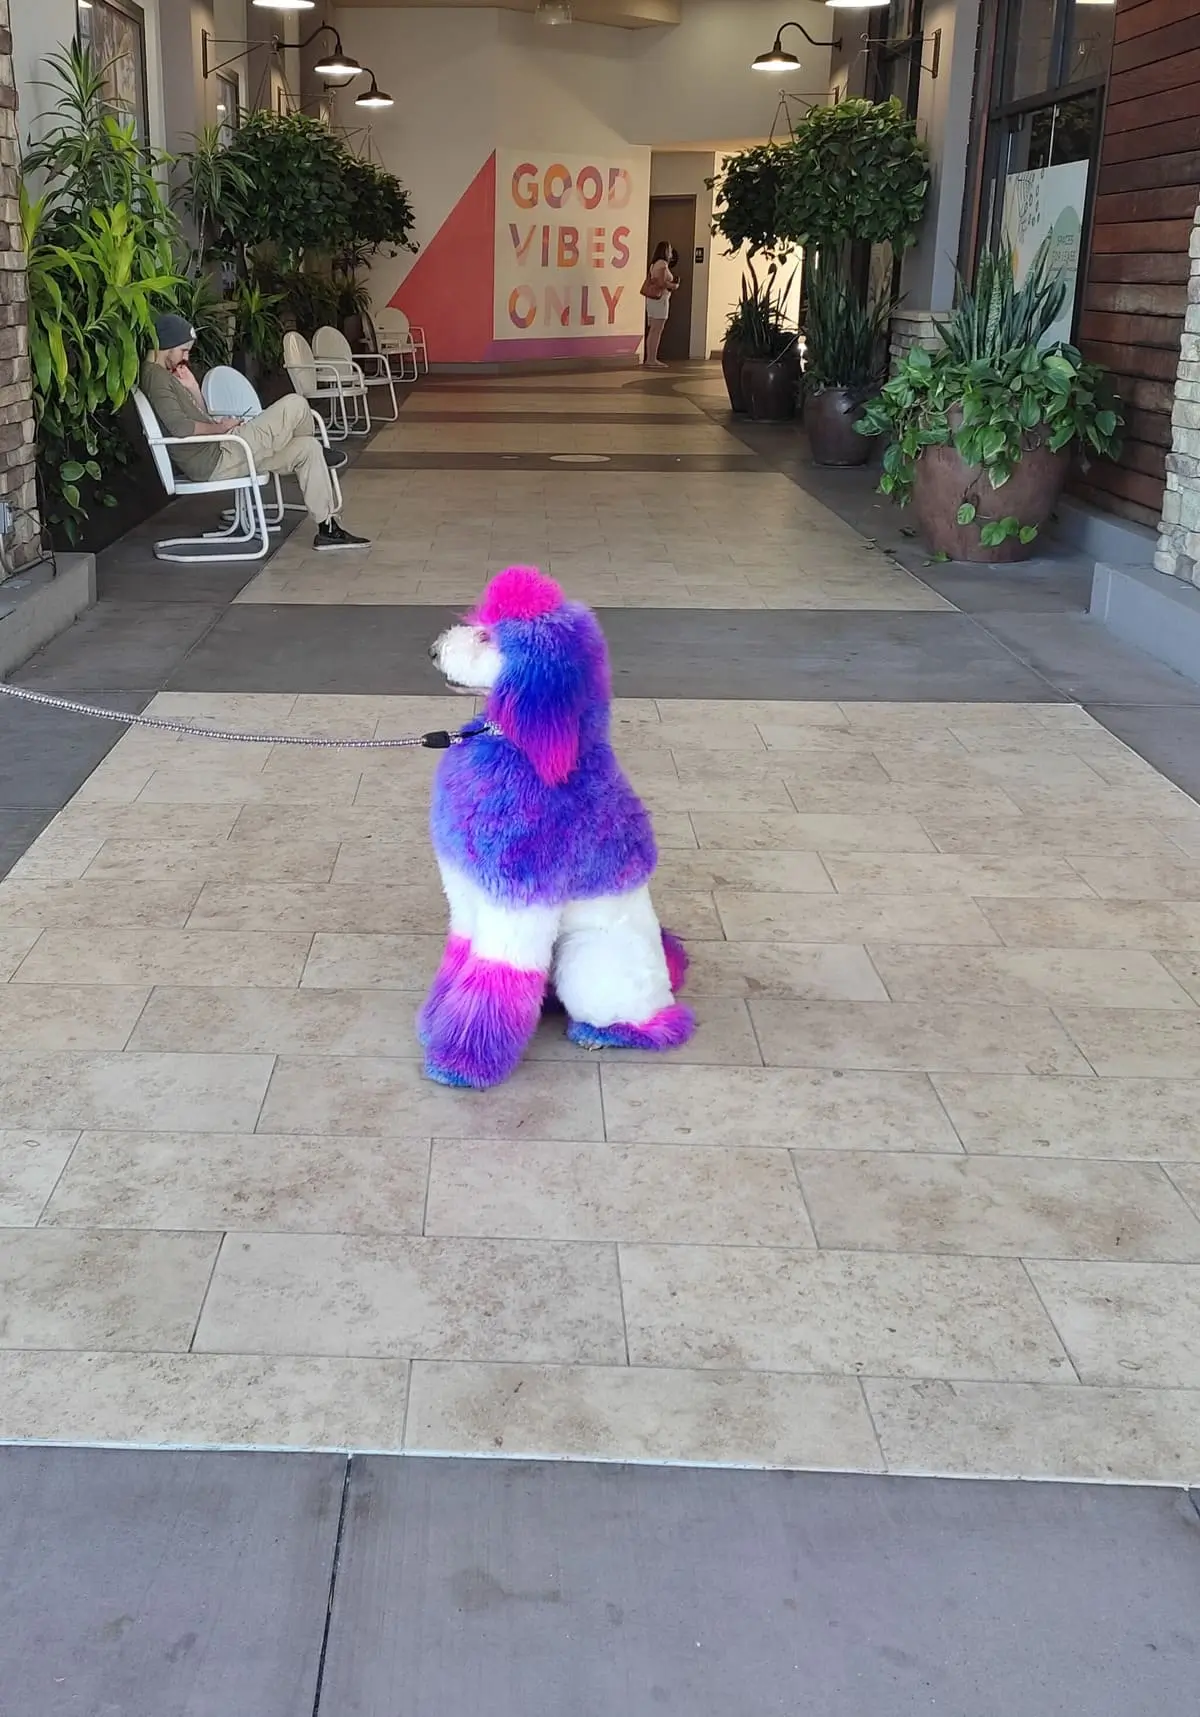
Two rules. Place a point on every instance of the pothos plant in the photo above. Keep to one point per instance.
(994, 393)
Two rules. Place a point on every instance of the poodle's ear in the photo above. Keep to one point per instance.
(539, 699)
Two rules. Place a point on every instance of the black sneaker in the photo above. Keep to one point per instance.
(336, 458)
(334, 535)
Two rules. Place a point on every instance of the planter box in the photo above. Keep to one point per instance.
(35, 606)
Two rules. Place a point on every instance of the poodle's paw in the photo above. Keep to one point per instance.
(451, 1076)
(677, 960)
(671, 1028)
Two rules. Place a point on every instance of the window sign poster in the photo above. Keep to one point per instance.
(1048, 201)
(570, 236)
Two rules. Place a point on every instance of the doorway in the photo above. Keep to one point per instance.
(674, 219)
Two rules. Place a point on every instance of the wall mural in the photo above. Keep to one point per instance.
(541, 257)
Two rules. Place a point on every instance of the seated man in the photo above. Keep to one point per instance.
(281, 439)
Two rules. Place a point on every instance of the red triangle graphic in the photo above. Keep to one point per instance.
(450, 288)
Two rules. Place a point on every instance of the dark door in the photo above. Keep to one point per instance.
(674, 219)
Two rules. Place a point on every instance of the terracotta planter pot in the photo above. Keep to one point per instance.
(829, 418)
(770, 387)
(943, 480)
(732, 359)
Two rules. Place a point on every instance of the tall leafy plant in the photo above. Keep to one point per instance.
(746, 199)
(855, 171)
(99, 254)
(296, 204)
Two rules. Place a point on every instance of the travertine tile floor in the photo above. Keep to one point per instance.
(924, 1193)
(687, 540)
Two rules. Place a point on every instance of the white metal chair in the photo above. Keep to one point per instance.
(249, 524)
(397, 337)
(322, 381)
(227, 393)
(332, 345)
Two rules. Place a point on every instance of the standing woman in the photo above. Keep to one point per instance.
(657, 289)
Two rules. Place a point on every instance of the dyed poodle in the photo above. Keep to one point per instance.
(545, 850)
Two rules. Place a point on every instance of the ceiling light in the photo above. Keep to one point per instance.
(552, 12)
(337, 67)
(862, 5)
(778, 60)
(284, 5)
(373, 97)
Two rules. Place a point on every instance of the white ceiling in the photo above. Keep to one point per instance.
(622, 14)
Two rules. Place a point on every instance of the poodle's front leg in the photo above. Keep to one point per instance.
(487, 998)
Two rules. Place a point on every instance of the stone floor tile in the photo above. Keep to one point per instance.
(996, 1206)
(945, 918)
(1136, 1043)
(776, 872)
(126, 1291)
(59, 1017)
(352, 961)
(145, 956)
(774, 1107)
(95, 904)
(917, 1037)
(279, 1022)
(201, 1093)
(766, 968)
(30, 1164)
(198, 1400)
(847, 1312)
(1169, 925)
(288, 1183)
(1185, 969)
(1152, 879)
(1087, 977)
(213, 861)
(675, 1194)
(383, 1296)
(615, 1413)
(396, 909)
(1122, 1118)
(376, 1095)
(780, 832)
(1126, 1323)
(14, 945)
(927, 874)
(1105, 837)
(1038, 1430)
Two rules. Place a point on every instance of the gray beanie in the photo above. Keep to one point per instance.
(171, 330)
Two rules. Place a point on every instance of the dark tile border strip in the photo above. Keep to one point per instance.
(552, 418)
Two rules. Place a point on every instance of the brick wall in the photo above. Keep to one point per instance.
(16, 397)
(908, 328)
(1179, 532)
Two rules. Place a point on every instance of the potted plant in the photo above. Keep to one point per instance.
(844, 362)
(257, 335)
(982, 431)
(744, 199)
(770, 368)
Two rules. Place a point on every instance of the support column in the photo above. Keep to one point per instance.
(17, 451)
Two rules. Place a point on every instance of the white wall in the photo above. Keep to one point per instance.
(944, 120)
(44, 27)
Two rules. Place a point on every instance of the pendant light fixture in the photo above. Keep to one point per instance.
(779, 60)
(373, 97)
(336, 67)
(284, 5)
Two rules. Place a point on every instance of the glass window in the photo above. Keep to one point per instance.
(1032, 57)
(115, 32)
(228, 108)
(1089, 40)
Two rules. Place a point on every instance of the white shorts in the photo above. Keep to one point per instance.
(658, 309)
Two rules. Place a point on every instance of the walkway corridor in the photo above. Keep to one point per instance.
(923, 1195)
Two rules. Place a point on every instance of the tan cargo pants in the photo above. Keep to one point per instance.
(282, 439)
